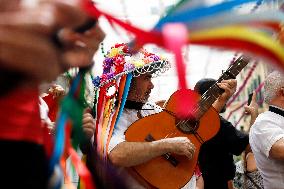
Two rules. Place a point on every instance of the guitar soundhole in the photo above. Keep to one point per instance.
(188, 126)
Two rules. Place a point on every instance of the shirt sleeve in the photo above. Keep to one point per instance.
(235, 140)
(266, 135)
(118, 134)
(116, 138)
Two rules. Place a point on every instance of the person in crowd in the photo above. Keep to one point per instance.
(267, 133)
(55, 93)
(252, 177)
(37, 43)
(52, 98)
(216, 155)
(127, 154)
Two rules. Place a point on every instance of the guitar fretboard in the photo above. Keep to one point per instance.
(211, 95)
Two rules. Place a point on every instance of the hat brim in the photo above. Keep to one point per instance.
(154, 68)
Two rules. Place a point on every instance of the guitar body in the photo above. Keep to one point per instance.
(159, 172)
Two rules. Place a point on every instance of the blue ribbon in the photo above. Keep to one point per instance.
(200, 12)
(60, 132)
(59, 141)
(124, 96)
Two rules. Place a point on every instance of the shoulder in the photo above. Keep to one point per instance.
(266, 130)
(265, 122)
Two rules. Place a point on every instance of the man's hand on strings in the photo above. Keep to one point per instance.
(229, 87)
(180, 145)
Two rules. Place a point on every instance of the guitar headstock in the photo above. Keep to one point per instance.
(236, 67)
(209, 97)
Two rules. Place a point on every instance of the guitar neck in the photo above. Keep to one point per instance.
(211, 95)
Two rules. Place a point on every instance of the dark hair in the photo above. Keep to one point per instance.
(203, 85)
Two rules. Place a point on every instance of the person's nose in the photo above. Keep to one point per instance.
(151, 85)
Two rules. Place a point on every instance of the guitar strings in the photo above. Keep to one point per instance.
(204, 98)
(226, 75)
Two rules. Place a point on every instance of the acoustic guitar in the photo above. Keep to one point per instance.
(171, 170)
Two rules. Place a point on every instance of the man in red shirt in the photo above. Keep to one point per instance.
(33, 50)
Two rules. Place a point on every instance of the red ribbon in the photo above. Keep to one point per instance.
(142, 37)
(240, 45)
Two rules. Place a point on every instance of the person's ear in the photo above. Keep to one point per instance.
(282, 91)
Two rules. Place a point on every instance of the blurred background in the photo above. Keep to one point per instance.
(200, 61)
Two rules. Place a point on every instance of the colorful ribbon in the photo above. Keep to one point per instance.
(72, 107)
(241, 39)
(114, 117)
(200, 12)
(124, 96)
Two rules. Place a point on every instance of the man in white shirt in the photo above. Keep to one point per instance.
(128, 154)
(267, 134)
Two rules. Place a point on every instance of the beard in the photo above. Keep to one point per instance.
(142, 97)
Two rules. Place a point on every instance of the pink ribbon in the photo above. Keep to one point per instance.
(175, 37)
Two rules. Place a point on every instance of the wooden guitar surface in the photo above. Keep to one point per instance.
(159, 171)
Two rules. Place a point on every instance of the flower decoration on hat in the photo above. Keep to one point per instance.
(119, 61)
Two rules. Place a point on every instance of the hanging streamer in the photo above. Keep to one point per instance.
(200, 12)
(72, 107)
(249, 42)
(114, 117)
(175, 36)
(124, 96)
(269, 20)
(106, 121)
(142, 37)
(81, 169)
(241, 38)
(100, 109)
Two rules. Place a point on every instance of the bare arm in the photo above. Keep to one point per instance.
(229, 87)
(277, 150)
(127, 154)
(199, 183)
(252, 109)
(250, 162)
